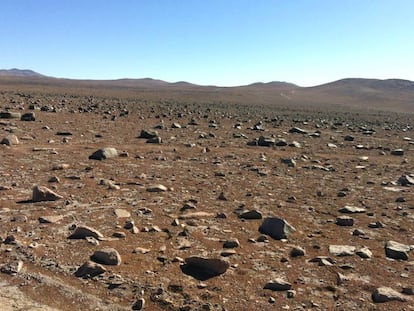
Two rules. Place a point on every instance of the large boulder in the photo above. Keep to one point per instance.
(104, 153)
(276, 228)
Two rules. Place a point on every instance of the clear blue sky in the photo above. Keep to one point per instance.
(220, 42)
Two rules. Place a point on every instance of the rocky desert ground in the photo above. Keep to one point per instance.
(119, 203)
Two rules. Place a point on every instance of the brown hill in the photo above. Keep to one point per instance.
(360, 94)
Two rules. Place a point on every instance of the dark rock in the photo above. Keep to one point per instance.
(276, 228)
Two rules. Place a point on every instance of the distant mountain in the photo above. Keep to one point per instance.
(373, 84)
(14, 72)
(350, 93)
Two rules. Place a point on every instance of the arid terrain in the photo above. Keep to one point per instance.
(263, 197)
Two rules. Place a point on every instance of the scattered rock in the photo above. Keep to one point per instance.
(10, 140)
(203, 268)
(89, 269)
(41, 193)
(157, 188)
(344, 221)
(341, 250)
(348, 209)
(107, 256)
(297, 251)
(397, 152)
(105, 153)
(29, 116)
(232, 243)
(52, 219)
(139, 304)
(278, 285)
(396, 250)
(251, 214)
(81, 232)
(364, 252)
(386, 294)
(276, 228)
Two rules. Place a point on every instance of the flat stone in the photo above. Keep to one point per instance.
(278, 285)
(348, 209)
(41, 193)
(251, 214)
(52, 219)
(196, 215)
(107, 256)
(397, 152)
(157, 188)
(90, 269)
(345, 221)
(122, 213)
(342, 250)
(386, 294)
(276, 228)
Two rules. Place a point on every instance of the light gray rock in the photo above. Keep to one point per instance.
(348, 209)
(341, 250)
(278, 285)
(386, 294)
(89, 269)
(364, 252)
(276, 228)
(104, 153)
(107, 256)
(41, 193)
(81, 232)
(396, 250)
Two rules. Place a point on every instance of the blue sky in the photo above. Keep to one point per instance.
(219, 42)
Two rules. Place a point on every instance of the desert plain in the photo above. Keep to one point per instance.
(125, 195)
